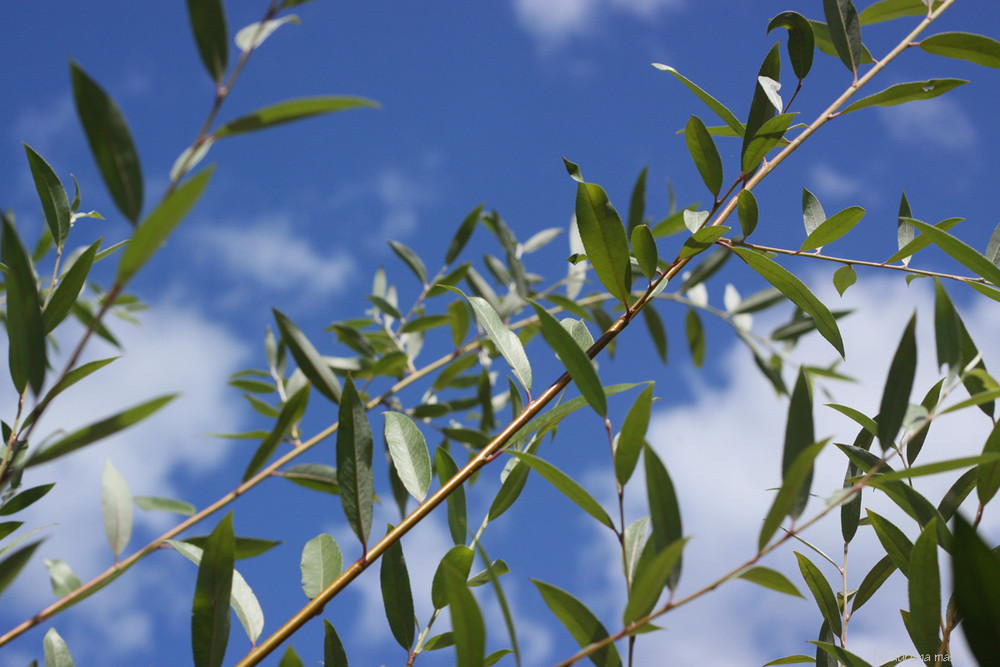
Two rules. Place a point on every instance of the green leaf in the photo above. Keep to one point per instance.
(637, 204)
(976, 575)
(843, 278)
(290, 110)
(791, 660)
(25, 328)
(887, 10)
(650, 581)
(812, 212)
(897, 545)
(333, 650)
(290, 415)
(633, 435)
(565, 485)
(426, 322)
(801, 43)
(575, 359)
(246, 547)
(841, 654)
(55, 201)
(833, 228)
(116, 508)
(768, 578)
(977, 49)
(993, 246)
(462, 235)
(872, 582)
(208, 23)
(14, 563)
(946, 330)
(315, 476)
(408, 450)
(56, 651)
(385, 306)
(664, 511)
(580, 621)
(770, 134)
(396, 595)
(959, 251)
(457, 518)
(505, 340)
(110, 142)
(354, 463)
(902, 93)
(25, 499)
(603, 236)
(797, 293)
(69, 288)
(411, 259)
(253, 35)
(924, 584)
(799, 436)
(695, 336)
(290, 658)
(725, 114)
(703, 151)
(915, 245)
(98, 430)
(321, 564)
(644, 247)
(988, 474)
(701, 240)
(761, 108)
(458, 561)
(746, 209)
(845, 33)
(62, 578)
(468, 628)
(898, 385)
(822, 593)
(158, 225)
(513, 481)
(973, 383)
(210, 611)
(656, 331)
(793, 480)
(308, 358)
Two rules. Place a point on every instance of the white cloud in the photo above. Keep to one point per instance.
(830, 182)
(553, 22)
(939, 122)
(40, 127)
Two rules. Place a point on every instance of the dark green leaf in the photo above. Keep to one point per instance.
(925, 592)
(426, 322)
(644, 247)
(746, 208)
(208, 23)
(761, 108)
(513, 483)
(637, 204)
(321, 564)
(25, 327)
(915, 245)
(55, 201)
(110, 142)
(898, 385)
(887, 10)
(843, 278)
(308, 358)
(959, 251)
(872, 582)
(988, 474)
(396, 595)
(210, 611)
(315, 476)
(656, 331)
(706, 157)
(799, 436)
(14, 563)
(651, 579)
(978, 49)
(973, 383)
(411, 259)
(565, 485)
(288, 111)
(334, 654)
(458, 560)
(833, 228)
(695, 336)
(603, 236)
(822, 593)
(69, 288)
(725, 114)
(25, 499)
(902, 93)
(797, 293)
(575, 359)
(580, 621)
(468, 628)
(776, 581)
(664, 511)
(290, 415)
(788, 494)
(633, 435)
(290, 658)
(457, 517)
(841, 654)
(801, 43)
(976, 576)
(946, 334)
(770, 134)
(246, 547)
(354, 463)
(845, 33)
(897, 545)
(701, 240)
(462, 235)
(706, 269)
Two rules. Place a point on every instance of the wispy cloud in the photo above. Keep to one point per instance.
(940, 122)
(828, 181)
(40, 126)
(554, 22)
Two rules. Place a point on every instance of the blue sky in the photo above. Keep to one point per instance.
(479, 104)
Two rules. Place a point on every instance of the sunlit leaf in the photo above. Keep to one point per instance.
(768, 135)
(354, 463)
(164, 505)
(462, 235)
(915, 245)
(565, 485)
(843, 278)
(702, 240)
(603, 236)
(833, 228)
(960, 251)
(308, 358)
(887, 10)
(506, 341)
(68, 290)
(725, 114)
(978, 49)
(644, 247)
(408, 450)
(575, 359)
(315, 476)
(411, 259)
(55, 201)
(208, 23)
(61, 576)
(457, 561)
(290, 110)
(761, 108)
(746, 208)
(321, 564)
(116, 508)
(254, 34)
(650, 581)
(56, 651)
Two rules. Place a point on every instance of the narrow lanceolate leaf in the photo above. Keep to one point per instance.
(841, 655)
(397, 596)
(946, 330)
(462, 235)
(799, 435)
(656, 331)
(915, 245)
(897, 545)
(644, 247)
(637, 204)
(768, 578)
(843, 278)
(788, 494)
(116, 508)
(98, 430)
(603, 236)
(354, 463)
(321, 564)
(993, 246)
(833, 228)
(845, 33)
(56, 651)
(253, 35)
(457, 516)
(887, 10)
(580, 621)
(703, 151)
(62, 578)
(565, 485)
(290, 415)
(506, 341)
(25, 326)
(456, 562)
(964, 46)
(960, 251)
(208, 23)
(14, 563)
(924, 584)
(906, 92)
(159, 224)
(797, 293)
(664, 511)
(308, 358)
(110, 142)
(468, 628)
(575, 359)
(651, 578)
(633, 435)
(69, 288)
(801, 43)
(746, 209)
(988, 474)
(812, 212)
(210, 612)
(290, 110)
(25, 499)
(411, 259)
(877, 576)
(55, 201)
(822, 593)
(334, 654)
(408, 450)
(695, 336)
(761, 109)
(290, 658)
(976, 576)
(725, 114)
(769, 135)
(904, 230)
(702, 240)
(898, 385)
(149, 503)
